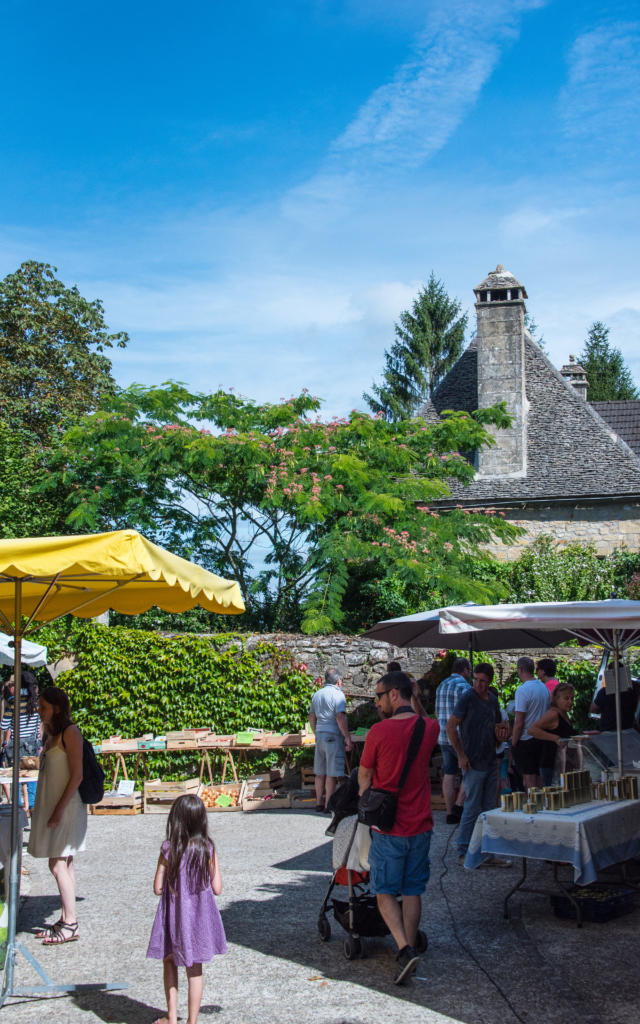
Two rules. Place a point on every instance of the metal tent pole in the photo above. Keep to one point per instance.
(13, 946)
(14, 868)
(616, 669)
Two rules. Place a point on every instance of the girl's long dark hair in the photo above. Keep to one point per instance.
(61, 709)
(188, 835)
(30, 684)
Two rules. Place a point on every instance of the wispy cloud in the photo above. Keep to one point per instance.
(410, 118)
(600, 103)
(529, 220)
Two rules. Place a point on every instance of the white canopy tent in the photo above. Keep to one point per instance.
(613, 625)
(34, 655)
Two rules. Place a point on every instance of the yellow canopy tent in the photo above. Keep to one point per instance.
(43, 578)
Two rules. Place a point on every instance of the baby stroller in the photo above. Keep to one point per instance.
(358, 914)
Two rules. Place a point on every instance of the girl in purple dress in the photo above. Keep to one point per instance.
(187, 931)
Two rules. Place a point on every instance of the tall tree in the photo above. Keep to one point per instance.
(52, 367)
(429, 340)
(609, 377)
(285, 503)
(534, 331)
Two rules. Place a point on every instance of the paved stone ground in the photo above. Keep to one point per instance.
(479, 968)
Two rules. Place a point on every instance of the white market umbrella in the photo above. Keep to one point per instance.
(613, 625)
(31, 654)
(422, 629)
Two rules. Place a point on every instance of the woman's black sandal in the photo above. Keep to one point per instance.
(57, 937)
(46, 929)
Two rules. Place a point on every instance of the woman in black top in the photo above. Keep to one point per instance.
(554, 728)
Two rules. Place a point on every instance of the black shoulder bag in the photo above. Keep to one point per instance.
(378, 807)
(91, 789)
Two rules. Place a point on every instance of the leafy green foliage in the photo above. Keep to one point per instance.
(548, 572)
(428, 342)
(51, 342)
(534, 331)
(609, 377)
(288, 505)
(22, 513)
(130, 682)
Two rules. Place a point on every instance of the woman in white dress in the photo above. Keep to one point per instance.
(59, 818)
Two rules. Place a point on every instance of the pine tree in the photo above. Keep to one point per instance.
(608, 375)
(429, 340)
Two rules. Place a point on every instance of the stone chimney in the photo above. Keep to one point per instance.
(500, 347)
(576, 375)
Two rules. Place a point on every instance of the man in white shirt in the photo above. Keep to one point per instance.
(328, 719)
(532, 699)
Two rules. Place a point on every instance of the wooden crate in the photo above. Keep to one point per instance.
(158, 796)
(118, 745)
(230, 788)
(213, 740)
(119, 805)
(276, 803)
(308, 777)
(302, 798)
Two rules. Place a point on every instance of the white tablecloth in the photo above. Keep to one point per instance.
(590, 836)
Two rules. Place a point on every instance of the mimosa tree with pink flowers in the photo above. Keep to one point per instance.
(307, 514)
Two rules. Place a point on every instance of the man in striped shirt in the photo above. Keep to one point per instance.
(447, 696)
(30, 725)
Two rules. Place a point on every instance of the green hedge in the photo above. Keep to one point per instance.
(131, 682)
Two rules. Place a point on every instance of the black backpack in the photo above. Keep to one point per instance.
(91, 789)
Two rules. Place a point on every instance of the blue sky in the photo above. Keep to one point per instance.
(255, 191)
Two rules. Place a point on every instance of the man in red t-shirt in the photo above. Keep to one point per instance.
(399, 859)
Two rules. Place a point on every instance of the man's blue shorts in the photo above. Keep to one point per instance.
(399, 864)
(329, 755)
(450, 764)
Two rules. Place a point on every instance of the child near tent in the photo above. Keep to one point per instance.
(187, 930)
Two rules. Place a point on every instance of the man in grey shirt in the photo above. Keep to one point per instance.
(531, 701)
(328, 719)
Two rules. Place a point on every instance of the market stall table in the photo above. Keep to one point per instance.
(589, 837)
(226, 751)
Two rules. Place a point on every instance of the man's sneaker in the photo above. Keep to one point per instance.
(461, 859)
(495, 862)
(407, 960)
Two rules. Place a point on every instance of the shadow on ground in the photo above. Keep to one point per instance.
(114, 1008)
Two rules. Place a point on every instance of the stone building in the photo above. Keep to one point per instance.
(564, 467)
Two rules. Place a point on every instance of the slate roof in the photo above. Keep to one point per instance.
(571, 450)
(622, 416)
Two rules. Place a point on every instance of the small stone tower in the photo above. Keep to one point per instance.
(576, 375)
(501, 375)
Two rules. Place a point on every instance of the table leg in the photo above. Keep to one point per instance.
(567, 892)
(205, 760)
(518, 884)
(228, 759)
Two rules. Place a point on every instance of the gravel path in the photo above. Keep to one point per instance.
(479, 969)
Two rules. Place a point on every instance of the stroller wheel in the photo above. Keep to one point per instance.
(324, 928)
(352, 948)
(422, 942)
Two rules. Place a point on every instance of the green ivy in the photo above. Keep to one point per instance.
(130, 682)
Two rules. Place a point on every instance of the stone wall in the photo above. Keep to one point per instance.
(607, 525)
(361, 661)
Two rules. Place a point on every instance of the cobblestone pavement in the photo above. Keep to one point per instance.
(479, 969)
